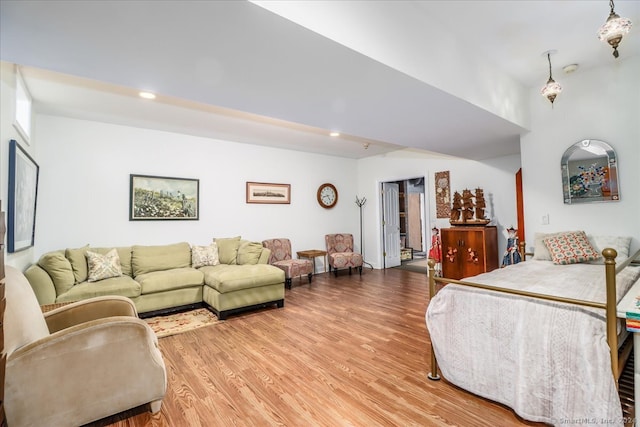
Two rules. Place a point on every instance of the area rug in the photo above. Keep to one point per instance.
(419, 265)
(176, 323)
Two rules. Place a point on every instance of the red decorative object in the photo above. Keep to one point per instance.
(435, 252)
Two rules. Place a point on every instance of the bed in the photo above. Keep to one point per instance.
(497, 335)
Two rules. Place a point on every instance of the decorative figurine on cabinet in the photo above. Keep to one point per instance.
(456, 208)
(464, 211)
(435, 253)
(512, 254)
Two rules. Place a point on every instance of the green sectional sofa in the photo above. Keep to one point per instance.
(163, 278)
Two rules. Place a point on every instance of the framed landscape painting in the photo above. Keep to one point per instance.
(23, 195)
(262, 192)
(163, 198)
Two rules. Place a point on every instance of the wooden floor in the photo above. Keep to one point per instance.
(345, 351)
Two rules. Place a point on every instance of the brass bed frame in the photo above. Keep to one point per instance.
(618, 356)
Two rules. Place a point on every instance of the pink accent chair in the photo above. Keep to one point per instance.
(340, 253)
(281, 257)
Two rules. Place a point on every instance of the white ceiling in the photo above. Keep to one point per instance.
(237, 71)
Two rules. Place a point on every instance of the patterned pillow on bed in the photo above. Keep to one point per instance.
(570, 248)
(540, 251)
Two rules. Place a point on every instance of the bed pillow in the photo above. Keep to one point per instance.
(540, 251)
(204, 255)
(103, 266)
(621, 244)
(570, 248)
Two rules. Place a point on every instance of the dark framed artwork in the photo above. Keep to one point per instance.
(163, 198)
(263, 192)
(23, 197)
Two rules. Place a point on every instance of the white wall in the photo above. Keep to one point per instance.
(83, 195)
(495, 176)
(7, 133)
(601, 103)
(84, 188)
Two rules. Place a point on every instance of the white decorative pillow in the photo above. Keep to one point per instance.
(204, 255)
(570, 248)
(103, 266)
(621, 244)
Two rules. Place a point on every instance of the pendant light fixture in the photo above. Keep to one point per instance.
(552, 88)
(613, 30)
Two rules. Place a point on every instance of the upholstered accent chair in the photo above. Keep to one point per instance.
(340, 253)
(281, 257)
(78, 363)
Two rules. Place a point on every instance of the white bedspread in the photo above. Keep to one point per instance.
(548, 361)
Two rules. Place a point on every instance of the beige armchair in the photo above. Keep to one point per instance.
(78, 363)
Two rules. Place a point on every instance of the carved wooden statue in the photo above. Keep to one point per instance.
(456, 207)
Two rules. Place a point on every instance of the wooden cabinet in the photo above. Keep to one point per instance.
(467, 251)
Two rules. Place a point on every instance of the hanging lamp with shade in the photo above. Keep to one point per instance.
(552, 88)
(613, 29)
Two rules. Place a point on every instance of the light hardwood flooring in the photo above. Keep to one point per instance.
(345, 351)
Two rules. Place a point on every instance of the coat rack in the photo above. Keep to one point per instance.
(361, 203)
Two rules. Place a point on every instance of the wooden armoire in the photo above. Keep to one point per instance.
(468, 250)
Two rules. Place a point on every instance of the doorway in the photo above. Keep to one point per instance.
(403, 221)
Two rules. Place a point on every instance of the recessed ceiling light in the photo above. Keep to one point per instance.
(334, 134)
(147, 95)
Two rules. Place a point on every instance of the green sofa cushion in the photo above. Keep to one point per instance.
(229, 278)
(146, 259)
(41, 284)
(78, 259)
(160, 281)
(123, 285)
(59, 269)
(228, 249)
(249, 253)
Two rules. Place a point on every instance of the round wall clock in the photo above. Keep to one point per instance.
(327, 195)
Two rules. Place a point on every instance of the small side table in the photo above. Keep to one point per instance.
(312, 254)
(628, 304)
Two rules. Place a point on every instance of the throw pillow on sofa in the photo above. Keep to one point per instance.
(228, 249)
(103, 266)
(204, 255)
(78, 259)
(59, 268)
(249, 253)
